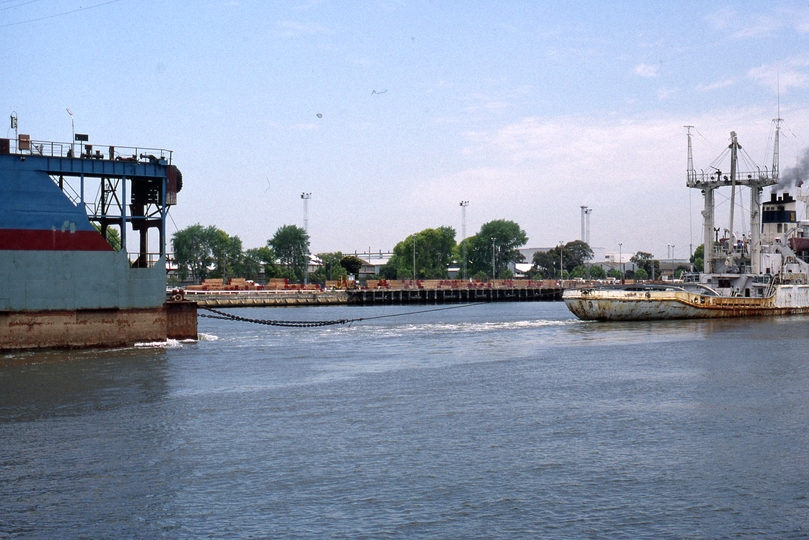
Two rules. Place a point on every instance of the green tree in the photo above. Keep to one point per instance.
(257, 261)
(579, 271)
(329, 269)
(679, 271)
(291, 245)
(505, 273)
(640, 273)
(698, 258)
(352, 265)
(499, 240)
(204, 252)
(433, 252)
(647, 262)
(614, 273)
(400, 264)
(192, 252)
(226, 252)
(546, 264)
(576, 253)
(389, 271)
(597, 272)
(113, 236)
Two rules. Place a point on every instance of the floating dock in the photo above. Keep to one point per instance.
(372, 297)
(402, 292)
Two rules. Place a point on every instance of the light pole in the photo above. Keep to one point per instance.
(561, 260)
(621, 259)
(73, 132)
(494, 268)
(414, 259)
(464, 204)
(584, 212)
(669, 257)
(671, 261)
(587, 213)
(306, 196)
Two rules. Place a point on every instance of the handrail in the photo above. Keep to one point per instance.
(31, 147)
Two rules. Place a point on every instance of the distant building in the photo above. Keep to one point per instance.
(373, 261)
(615, 261)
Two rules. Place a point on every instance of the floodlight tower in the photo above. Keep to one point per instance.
(583, 232)
(464, 204)
(306, 196)
(585, 224)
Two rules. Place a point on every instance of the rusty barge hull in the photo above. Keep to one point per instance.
(82, 328)
(621, 305)
(89, 328)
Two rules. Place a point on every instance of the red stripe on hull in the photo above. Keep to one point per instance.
(37, 240)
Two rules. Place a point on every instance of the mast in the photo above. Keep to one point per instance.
(734, 146)
(707, 188)
(719, 260)
(775, 154)
(690, 167)
(755, 204)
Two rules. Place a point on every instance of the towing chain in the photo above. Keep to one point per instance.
(291, 324)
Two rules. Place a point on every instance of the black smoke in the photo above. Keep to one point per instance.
(796, 175)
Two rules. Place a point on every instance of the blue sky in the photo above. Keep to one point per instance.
(392, 112)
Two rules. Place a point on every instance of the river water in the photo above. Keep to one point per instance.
(485, 421)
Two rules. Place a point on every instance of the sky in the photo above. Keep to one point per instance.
(390, 113)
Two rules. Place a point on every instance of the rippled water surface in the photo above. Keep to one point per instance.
(487, 421)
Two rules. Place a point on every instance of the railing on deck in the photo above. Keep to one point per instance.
(84, 150)
(698, 179)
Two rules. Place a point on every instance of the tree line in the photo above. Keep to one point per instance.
(209, 252)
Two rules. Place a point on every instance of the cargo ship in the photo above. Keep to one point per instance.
(62, 283)
(764, 273)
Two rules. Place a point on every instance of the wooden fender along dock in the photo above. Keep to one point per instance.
(398, 292)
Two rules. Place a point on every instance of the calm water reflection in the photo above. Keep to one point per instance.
(488, 421)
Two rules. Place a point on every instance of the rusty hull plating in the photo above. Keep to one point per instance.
(617, 304)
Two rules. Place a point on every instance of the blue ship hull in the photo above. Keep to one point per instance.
(61, 282)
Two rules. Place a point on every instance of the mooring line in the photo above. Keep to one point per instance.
(312, 324)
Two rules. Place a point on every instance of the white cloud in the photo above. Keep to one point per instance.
(753, 25)
(646, 70)
(802, 23)
(489, 106)
(303, 127)
(757, 25)
(665, 93)
(724, 83)
(538, 171)
(296, 29)
(743, 26)
(791, 73)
